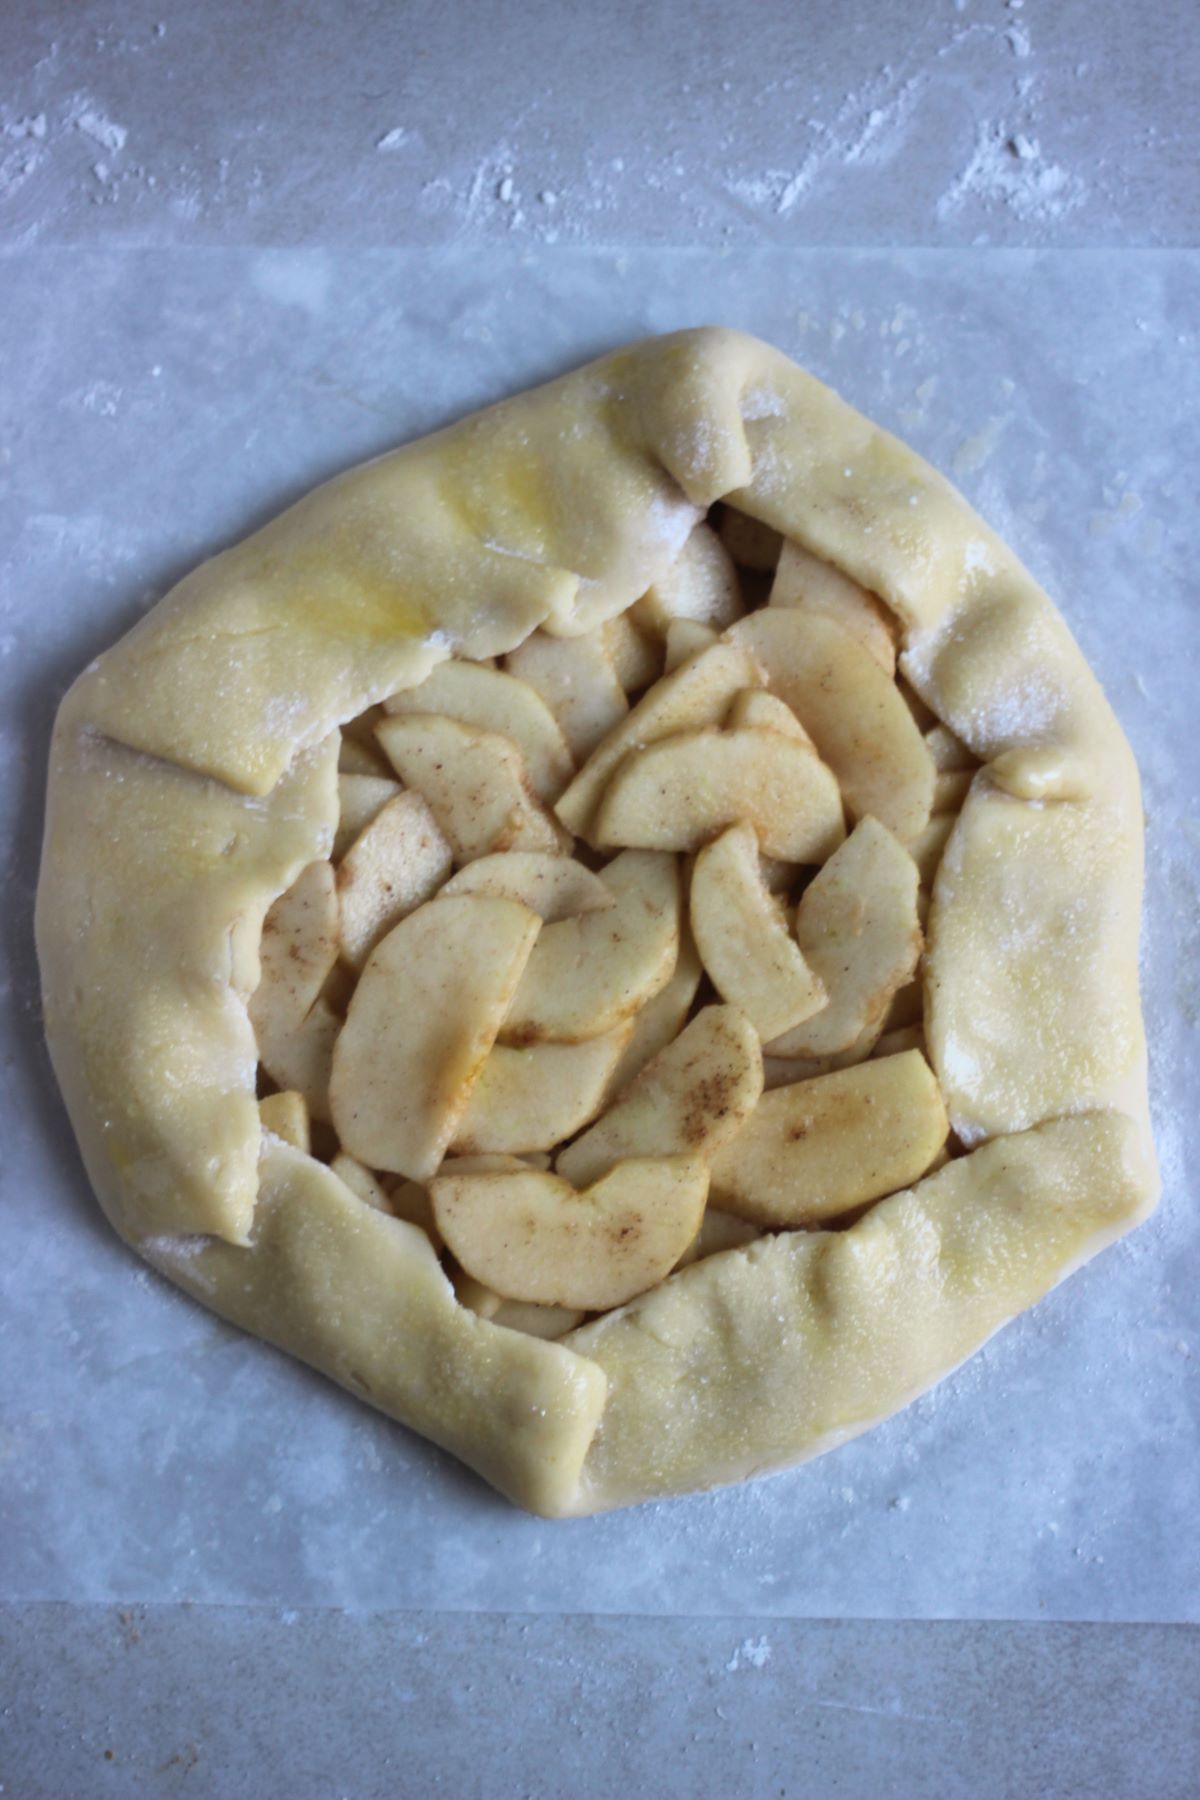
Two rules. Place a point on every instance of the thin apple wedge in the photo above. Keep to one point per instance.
(554, 887)
(285, 1115)
(532, 1098)
(854, 713)
(857, 929)
(740, 931)
(533, 1237)
(818, 1148)
(695, 694)
(656, 1024)
(806, 581)
(691, 1099)
(679, 793)
(475, 783)
(397, 863)
(578, 679)
(360, 799)
(421, 1023)
(362, 1182)
(496, 702)
(701, 584)
(589, 973)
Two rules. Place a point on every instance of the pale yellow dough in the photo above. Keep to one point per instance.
(194, 774)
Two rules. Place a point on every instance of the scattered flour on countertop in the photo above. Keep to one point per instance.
(98, 126)
(752, 1653)
(1011, 171)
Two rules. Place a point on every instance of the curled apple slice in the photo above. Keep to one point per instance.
(857, 929)
(818, 1148)
(421, 1023)
(691, 1099)
(475, 783)
(590, 972)
(680, 792)
(743, 939)
(531, 1236)
(496, 702)
(854, 713)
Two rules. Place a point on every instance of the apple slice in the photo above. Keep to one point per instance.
(636, 658)
(853, 712)
(701, 585)
(804, 580)
(294, 1026)
(554, 887)
(857, 929)
(474, 782)
(693, 1097)
(360, 799)
(285, 1115)
(549, 1322)
(361, 1182)
(679, 793)
(394, 866)
(684, 638)
(661, 1020)
(298, 949)
(302, 1056)
(815, 1149)
(409, 1201)
(590, 972)
(695, 694)
(578, 680)
(496, 702)
(743, 940)
(421, 1023)
(754, 709)
(531, 1236)
(516, 1315)
(533, 1098)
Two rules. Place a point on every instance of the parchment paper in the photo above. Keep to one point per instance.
(160, 405)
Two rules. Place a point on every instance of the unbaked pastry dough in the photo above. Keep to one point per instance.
(194, 777)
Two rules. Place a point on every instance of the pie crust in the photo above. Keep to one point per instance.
(193, 776)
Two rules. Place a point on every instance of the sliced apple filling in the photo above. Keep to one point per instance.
(616, 962)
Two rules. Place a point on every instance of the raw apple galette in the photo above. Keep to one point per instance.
(611, 931)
